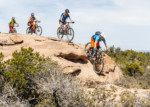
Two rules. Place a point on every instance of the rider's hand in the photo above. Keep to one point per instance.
(107, 50)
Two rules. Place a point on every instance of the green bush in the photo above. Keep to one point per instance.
(39, 81)
(133, 69)
(22, 68)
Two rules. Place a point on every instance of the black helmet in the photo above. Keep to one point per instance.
(98, 33)
(67, 11)
(32, 14)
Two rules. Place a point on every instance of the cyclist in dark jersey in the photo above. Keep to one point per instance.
(31, 20)
(64, 17)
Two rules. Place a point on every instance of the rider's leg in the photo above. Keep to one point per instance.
(92, 46)
(60, 26)
(30, 26)
(98, 45)
(66, 27)
(10, 27)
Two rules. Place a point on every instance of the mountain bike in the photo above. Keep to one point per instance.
(37, 30)
(96, 56)
(14, 29)
(69, 33)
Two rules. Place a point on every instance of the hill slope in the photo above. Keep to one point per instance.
(70, 56)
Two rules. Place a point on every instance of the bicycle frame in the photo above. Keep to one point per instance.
(63, 26)
(99, 53)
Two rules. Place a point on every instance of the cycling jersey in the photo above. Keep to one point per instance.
(12, 23)
(64, 18)
(98, 38)
(31, 19)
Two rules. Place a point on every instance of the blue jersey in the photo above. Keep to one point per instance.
(98, 38)
(64, 18)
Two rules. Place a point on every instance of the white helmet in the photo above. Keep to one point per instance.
(103, 35)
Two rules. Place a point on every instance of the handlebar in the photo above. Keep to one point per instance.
(16, 25)
(36, 21)
(70, 22)
(96, 50)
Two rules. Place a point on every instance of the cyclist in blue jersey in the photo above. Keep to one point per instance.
(96, 39)
(64, 17)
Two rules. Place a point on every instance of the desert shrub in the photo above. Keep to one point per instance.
(9, 98)
(21, 70)
(100, 97)
(133, 69)
(129, 99)
(141, 82)
(1, 72)
(37, 81)
(59, 89)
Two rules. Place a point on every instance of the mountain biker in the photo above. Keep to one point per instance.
(64, 17)
(31, 21)
(96, 39)
(12, 23)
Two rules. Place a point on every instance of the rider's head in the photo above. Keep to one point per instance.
(13, 18)
(67, 11)
(103, 35)
(32, 14)
(98, 33)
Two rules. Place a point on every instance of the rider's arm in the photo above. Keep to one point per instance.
(29, 19)
(70, 19)
(16, 22)
(37, 20)
(9, 23)
(61, 18)
(105, 44)
(95, 44)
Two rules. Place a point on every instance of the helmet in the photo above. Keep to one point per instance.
(13, 18)
(98, 33)
(32, 14)
(103, 35)
(67, 11)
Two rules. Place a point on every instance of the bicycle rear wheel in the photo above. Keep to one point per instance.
(70, 34)
(59, 34)
(87, 49)
(98, 65)
(28, 31)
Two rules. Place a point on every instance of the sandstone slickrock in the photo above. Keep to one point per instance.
(10, 39)
(70, 56)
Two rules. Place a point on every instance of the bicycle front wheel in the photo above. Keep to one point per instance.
(70, 34)
(98, 66)
(15, 31)
(38, 30)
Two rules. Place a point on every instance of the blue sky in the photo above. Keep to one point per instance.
(126, 23)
